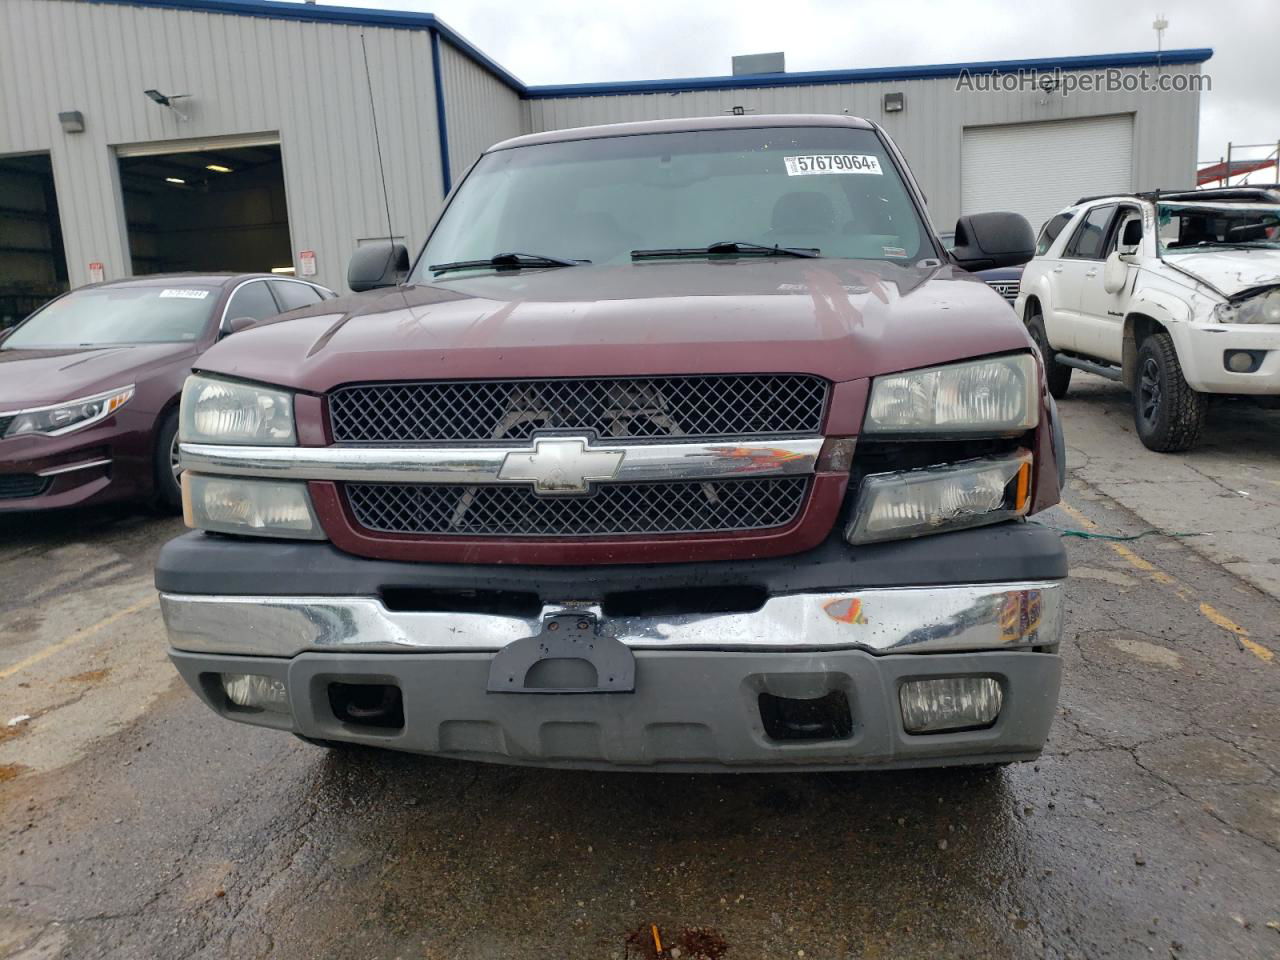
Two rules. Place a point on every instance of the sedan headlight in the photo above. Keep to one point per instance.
(1264, 308)
(73, 415)
(226, 411)
(993, 396)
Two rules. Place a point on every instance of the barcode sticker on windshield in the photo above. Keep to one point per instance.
(832, 163)
(185, 294)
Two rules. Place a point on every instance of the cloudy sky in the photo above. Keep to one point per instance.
(579, 41)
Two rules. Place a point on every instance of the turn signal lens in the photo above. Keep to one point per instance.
(913, 503)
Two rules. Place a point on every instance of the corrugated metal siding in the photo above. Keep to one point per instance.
(480, 108)
(929, 130)
(305, 81)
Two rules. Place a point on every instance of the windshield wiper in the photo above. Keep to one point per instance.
(727, 247)
(510, 261)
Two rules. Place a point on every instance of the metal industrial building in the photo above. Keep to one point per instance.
(145, 135)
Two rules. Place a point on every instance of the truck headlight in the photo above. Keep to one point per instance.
(227, 411)
(64, 417)
(261, 508)
(1264, 308)
(992, 396)
(911, 503)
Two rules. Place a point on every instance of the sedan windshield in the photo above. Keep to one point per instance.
(709, 194)
(104, 316)
(1192, 227)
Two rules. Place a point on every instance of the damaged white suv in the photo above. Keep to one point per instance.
(1177, 295)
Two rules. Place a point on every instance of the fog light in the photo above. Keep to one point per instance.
(1244, 361)
(256, 692)
(949, 703)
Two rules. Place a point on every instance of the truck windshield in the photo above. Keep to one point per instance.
(834, 190)
(117, 315)
(1192, 227)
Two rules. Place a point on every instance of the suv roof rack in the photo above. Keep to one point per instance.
(1262, 191)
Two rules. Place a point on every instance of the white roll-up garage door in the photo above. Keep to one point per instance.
(1036, 169)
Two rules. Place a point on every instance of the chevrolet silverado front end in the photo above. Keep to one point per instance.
(682, 446)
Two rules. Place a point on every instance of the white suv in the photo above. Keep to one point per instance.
(1177, 295)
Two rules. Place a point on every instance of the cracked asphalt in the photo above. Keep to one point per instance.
(135, 824)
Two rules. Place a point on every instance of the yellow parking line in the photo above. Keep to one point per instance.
(1077, 516)
(83, 634)
(1208, 611)
(1226, 623)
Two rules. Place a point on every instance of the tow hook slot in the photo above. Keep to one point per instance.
(569, 655)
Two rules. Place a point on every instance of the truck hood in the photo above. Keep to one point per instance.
(1231, 270)
(34, 378)
(839, 319)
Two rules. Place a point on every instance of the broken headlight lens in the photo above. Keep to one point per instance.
(226, 411)
(912, 503)
(1264, 308)
(65, 417)
(992, 396)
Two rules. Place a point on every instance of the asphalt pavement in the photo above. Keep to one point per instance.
(133, 823)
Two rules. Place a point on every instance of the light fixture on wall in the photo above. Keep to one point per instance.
(895, 102)
(72, 121)
(166, 100)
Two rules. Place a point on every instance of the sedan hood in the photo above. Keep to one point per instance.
(840, 319)
(1231, 271)
(36, 378)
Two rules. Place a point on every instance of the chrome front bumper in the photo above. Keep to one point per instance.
(950, 619)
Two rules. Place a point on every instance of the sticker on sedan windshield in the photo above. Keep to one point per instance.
(832, 163)
(185, 294)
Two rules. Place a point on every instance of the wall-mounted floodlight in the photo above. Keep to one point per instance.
(72, 121)
(895, 102)
(166, 100)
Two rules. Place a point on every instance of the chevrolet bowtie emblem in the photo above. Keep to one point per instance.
(561, 465)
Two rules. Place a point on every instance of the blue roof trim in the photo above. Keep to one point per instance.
(323, 13)
(1149, 58)
(373, 17)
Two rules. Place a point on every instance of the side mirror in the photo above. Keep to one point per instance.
(373, 265)
(988, 240)
(236, 324)
(1115, 274)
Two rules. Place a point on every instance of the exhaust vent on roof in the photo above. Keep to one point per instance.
(749, 63)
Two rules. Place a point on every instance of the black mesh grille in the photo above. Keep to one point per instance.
(624, 409)
(18, 486)
(611, 509)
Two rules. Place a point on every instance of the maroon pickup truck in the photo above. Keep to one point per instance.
(682, 445)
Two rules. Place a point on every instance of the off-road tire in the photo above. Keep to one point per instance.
(1057, 376)
(168, 491)
(1167, 413)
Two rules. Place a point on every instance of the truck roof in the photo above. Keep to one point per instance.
(684, 124)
